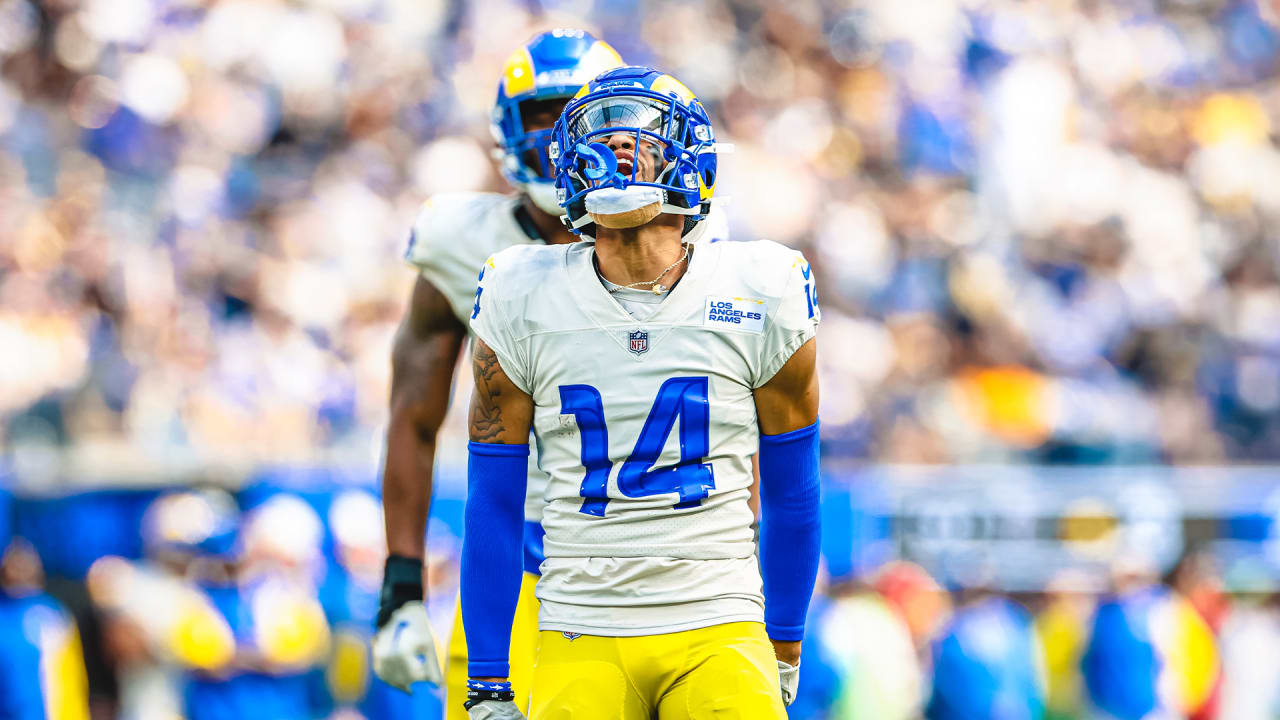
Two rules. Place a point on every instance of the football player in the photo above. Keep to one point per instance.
(650, 369)
(451, 238)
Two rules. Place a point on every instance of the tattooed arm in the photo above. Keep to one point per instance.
(501, 413)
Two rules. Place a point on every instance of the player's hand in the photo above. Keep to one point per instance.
(493, 710)
(491, 700)
(789, 678)
(404, 649)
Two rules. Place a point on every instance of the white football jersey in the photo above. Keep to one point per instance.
(646, 428)
(455, 233)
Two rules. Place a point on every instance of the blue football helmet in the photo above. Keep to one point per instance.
(665, 117)
(551, 66)
(193, 523)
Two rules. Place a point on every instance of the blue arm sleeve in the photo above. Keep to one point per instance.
(492, 553)
(790, 529)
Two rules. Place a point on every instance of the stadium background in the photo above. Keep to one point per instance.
(1050, 356)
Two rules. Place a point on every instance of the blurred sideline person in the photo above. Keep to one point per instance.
(870, 647)
(1251, 644)
(1150, 654)
(651, 601)
(1197, 579)
(42, 672)
(157, 624)
(267, 599)
(452, 236)
(987, 663)
(1062, 626)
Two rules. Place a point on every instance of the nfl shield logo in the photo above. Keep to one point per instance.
(639, 341)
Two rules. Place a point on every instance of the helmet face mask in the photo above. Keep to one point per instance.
(629, 130)
(536, 118)
(537, 80)
(531, 155)
(633, 129)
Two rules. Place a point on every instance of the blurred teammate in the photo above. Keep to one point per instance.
(158, 625)
(987, 663)
(874, 660)
(1149, 654)
(650, 370)
(42, 672)
(452, 237)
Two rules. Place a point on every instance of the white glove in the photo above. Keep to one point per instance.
(789, 678)
(404, 650)
(494, 710)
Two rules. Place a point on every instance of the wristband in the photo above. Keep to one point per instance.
(401, 583)
(479, 691)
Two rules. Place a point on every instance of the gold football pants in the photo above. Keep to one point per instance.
(722, 672)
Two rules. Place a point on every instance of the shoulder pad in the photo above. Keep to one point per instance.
(767, 268)
(443, 222)
(521, 269)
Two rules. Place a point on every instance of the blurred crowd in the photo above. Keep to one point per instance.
(1046, 231)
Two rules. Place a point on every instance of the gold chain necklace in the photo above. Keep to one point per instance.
(656, 286)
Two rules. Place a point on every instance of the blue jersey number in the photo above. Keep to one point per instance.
(691, 479)
(810, 290)
(584, 403)
(475, 311)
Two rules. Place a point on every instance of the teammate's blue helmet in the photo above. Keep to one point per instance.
(194, 523)
(665, 117)
(551, 66)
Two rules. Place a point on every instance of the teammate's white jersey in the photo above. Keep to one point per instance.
(646, 428)
(455, 233)
(452, 236)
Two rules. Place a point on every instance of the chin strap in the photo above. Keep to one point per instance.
(677, 210)
(699, 209)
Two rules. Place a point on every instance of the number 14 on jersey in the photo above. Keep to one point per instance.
(692, 478)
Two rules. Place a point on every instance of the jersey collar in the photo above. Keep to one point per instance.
(526, 223)
(682, 305)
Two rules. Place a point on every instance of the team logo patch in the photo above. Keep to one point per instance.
(570, 636)
(744, 314)
(639, 342)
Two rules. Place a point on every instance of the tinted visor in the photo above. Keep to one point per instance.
(626, 112)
